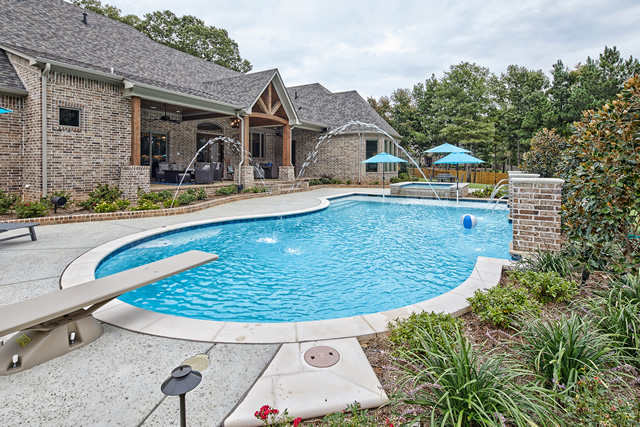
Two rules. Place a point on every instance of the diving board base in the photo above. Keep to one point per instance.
(47, 341)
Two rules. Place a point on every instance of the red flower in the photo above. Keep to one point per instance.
(389, 423)
(297, 421)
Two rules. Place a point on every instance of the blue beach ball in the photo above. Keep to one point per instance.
(468, 221)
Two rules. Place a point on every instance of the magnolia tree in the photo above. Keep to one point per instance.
(603, 192)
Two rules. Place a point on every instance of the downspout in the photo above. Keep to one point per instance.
(359, 157)
(45, 77)
(241, 146)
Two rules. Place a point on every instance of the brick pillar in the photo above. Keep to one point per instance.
(286, 145)
(517, 174)
(536, 214)
(287, 173)
(245, 177)
(132, 177)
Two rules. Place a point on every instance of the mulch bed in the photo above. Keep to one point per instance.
(484, 336)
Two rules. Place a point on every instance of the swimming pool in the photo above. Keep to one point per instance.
(361, 255)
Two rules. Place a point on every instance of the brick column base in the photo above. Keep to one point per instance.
(245, 177)
(536, 214)
(287, 173)
(132, 177)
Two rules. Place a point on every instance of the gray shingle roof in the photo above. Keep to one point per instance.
(8, 77)
(54, 30)
(316, 104)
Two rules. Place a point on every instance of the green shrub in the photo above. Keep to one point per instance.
(227, 190)
(102, 193)
(595, 404)
(617, 312)
(105, 207)
(547, 261)
(402, 177)
(487, 191)
(32, 209)
(565, 351)
(185, 198)
(407, 332)
(6, 202)
(201, 194)
(169, 203)
(546, 286)
(314, 181)
(255, 190)
(348, 182)
(454, 386)
(144, 205)
(376, 182)
(336, 181)
(501, 305)
(352, 416)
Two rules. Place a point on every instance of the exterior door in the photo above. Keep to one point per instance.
(153, 149)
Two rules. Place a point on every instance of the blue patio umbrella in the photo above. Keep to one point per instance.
(384, 158)
(457, 159)
(4, 110)
(447, 148)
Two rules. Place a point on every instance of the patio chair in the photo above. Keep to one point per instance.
(160, 176)
(230, 172)
(205, 174)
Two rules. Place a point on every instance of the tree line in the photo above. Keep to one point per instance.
(185, 33)
(496, 116)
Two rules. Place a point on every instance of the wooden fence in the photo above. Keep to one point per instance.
(478, 177)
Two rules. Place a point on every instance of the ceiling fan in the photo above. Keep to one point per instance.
(166, 118)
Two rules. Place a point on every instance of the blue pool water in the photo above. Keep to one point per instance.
(361, 255)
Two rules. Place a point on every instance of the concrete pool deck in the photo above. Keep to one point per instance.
(116, 379)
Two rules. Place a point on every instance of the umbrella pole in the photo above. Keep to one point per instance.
(382, 182)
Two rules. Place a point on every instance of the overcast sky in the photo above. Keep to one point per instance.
(376, 47)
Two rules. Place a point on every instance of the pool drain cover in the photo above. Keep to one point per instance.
(321, 356)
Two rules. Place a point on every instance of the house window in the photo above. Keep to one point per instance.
(257, 145)
(69, 117)
(371, 150)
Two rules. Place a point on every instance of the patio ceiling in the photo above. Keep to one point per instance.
(188, 113)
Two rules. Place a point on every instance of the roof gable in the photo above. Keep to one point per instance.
(10, 82)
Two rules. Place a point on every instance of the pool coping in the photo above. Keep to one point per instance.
(486, 274)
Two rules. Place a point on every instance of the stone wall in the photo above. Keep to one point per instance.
(11, 145)
(536, 214)
(339, 157)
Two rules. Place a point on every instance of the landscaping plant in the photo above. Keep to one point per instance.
(602, 192)
(102, 193)
(547, 261)
(6, 202)
(546, 286)
(407, 332)
(455, 386)
(352, 416)
(501, 305)
(227, 190)
(565, 351)
(32, 209)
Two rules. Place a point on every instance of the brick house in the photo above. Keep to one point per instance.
(95, 101)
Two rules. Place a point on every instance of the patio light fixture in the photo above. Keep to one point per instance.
(182, 380)
(58, 202)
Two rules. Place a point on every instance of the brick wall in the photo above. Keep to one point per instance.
(338, 157)
(11, 145)
(132, 178)
(31, 163)
(536, 214)
(77, 158)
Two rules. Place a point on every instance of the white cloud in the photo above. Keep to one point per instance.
(375, 47)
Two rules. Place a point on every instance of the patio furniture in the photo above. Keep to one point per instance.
(160, 173)
(176, 176)
(15, 226)
(55, 323)
(230, 172)
(205, 174)
(445, 177)
(270, 170)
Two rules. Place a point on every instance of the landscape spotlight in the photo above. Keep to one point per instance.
(181, 381)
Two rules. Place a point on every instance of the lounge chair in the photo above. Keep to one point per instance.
(15, 226)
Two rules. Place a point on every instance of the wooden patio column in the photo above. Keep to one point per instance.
(135, 131)
(286, 145)
(246, 141)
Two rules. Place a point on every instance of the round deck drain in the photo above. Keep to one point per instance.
(321, 356)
